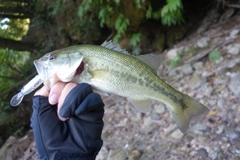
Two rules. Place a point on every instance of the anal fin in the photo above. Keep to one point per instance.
(142, 105)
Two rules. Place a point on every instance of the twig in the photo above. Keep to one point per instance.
(206, 52)
(228, 64)
(233, 6)
(225, 32)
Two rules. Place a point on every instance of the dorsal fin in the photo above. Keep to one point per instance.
(152, 60)
(113, 46)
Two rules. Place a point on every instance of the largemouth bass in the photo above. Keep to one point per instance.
(109, 69)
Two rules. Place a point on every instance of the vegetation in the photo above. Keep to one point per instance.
(214, 55)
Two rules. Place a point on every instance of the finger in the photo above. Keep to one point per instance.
(42, 92)
(55, 92)
(63, 96)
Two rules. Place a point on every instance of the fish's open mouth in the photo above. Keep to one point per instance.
(39, 67)
(80, 68)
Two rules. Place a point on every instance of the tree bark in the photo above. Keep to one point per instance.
(10, 16)
(16, 45)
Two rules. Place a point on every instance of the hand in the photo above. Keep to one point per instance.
(79, 136)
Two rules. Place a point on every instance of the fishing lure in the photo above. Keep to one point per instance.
(28, 88)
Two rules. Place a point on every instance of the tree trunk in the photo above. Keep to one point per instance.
(16, 45)
(15, 16)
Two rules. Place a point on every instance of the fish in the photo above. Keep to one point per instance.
(110, 69)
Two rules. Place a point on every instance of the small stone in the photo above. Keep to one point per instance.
(220, 80)
(213, 154)
(233, 34)
(207, 89)
(177, 134)
(234, 85)
(149, 149)
(136, 117)
(198, 65)
(160, 109)
(231, 134)
(102, 154)
(196, 81)
(220, 129)
(234, 49)
(212, 102)
(199, 127)
(172, 72)
(203, 42)
(116, 155)
(187, 69)
(147, 121)
(220, 103)
(135, 155)
(172, 54)
(202, 152)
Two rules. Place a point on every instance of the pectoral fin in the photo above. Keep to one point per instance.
(141, 105)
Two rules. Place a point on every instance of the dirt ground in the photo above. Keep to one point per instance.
(215, 82)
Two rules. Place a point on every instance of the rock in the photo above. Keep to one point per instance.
(136, 117)
(187, 69)
(172, 54)
(172, 72)
(212, 102)
(159, 109)
(15, 147)
(220, 80)
(196, 81)
(203, 42)
(220, 129)
(147, 120)
(135, 155)
(233, 34)
(213, 154)
(202, 152)
(206, 89)
(116, 155)
(233, 49)
(198, 65)
(220, 103)
(177, 134)
(234, 84)
(231, 134)
(199, 127)
(102, 154)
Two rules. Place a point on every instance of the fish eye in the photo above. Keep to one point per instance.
(52, 57)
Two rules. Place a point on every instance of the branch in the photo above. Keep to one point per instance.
(228, 64)
(206, 52)
(233, 5)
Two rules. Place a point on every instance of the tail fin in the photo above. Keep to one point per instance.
(184, 115)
